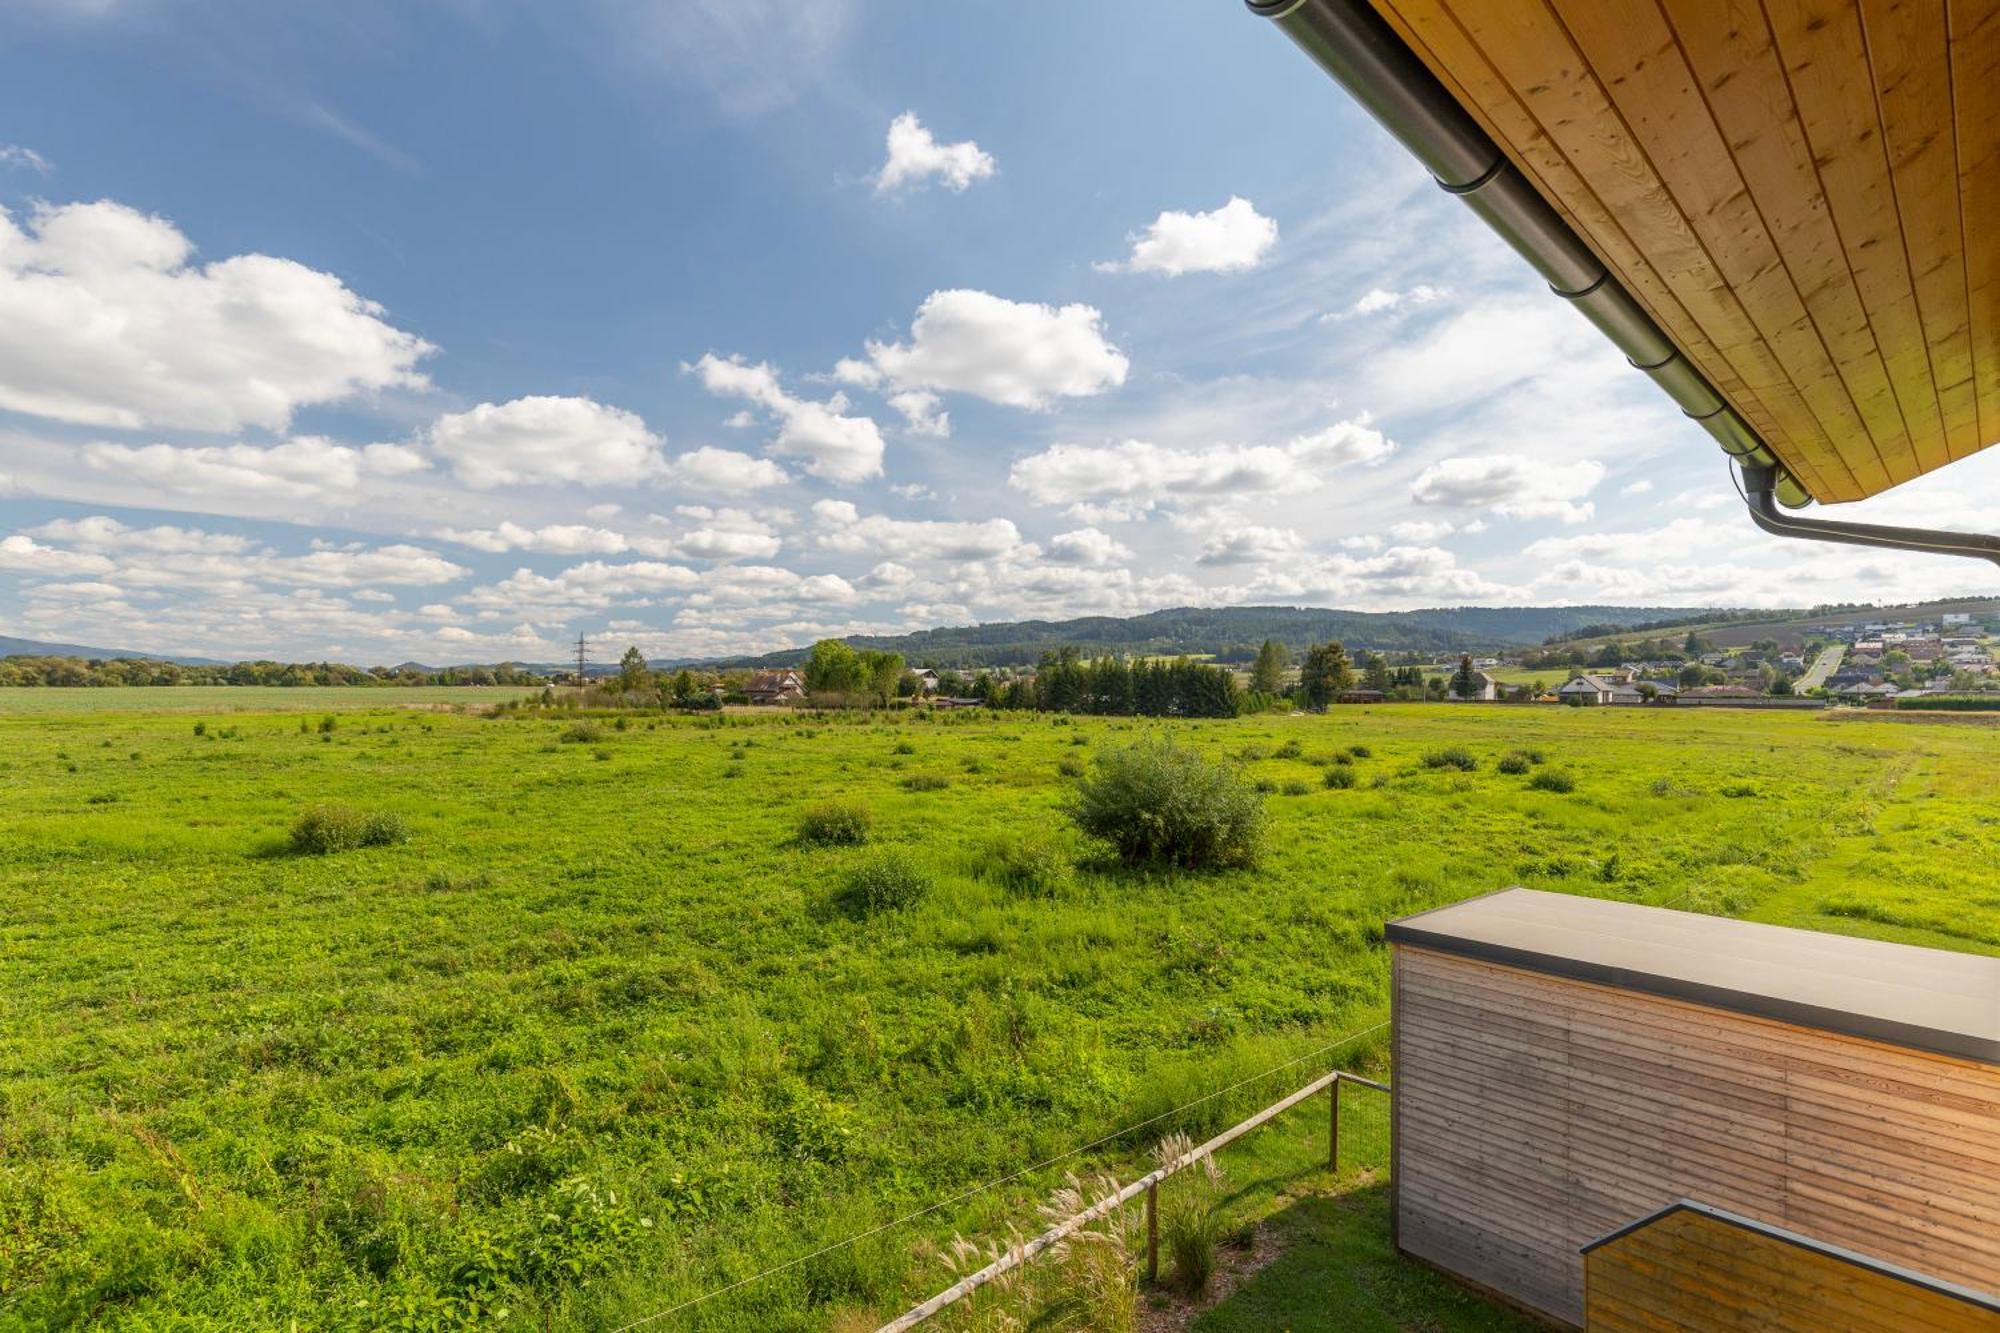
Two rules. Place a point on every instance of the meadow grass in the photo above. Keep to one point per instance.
(212, 699)
(604, 1034)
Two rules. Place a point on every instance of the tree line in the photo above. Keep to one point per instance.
(120, 671)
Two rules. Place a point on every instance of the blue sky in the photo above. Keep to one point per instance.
(450, 330)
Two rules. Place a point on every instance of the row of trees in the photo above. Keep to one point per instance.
(73, 671)
(1066, 683)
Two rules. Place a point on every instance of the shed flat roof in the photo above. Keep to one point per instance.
(1930, 999)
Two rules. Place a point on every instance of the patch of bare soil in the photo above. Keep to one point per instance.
(1235, 1264)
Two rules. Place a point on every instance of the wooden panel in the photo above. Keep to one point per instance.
(1692, 1270)
(1802, 193)
(1534, 1113)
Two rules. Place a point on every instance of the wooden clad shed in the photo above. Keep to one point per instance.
(1566, 1067)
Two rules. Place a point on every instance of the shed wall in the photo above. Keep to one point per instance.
(1534, 1113)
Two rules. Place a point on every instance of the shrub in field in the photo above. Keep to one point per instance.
(904, 747)
(1340, 778)
(1028, 864)
(886, 883)
(583, 732)
(1340, 758)
(327, 724)
(383, 828)
(1154, 801)
(1359, 751)
(1296, 788)
(926, 782)
(1452, 756)
(1552, 779)
(323, 829)
(1291, 749)
(1069, 768)
(835, 824)
(1513, 762)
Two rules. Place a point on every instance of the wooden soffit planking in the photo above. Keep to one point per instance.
(1804, 193)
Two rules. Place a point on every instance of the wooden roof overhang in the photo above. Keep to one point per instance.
(1801, 198)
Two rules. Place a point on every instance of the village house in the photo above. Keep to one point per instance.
(775, 687)
(1595, 689)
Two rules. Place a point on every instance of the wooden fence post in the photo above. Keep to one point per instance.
(1153, 1232)
(1333, 1127)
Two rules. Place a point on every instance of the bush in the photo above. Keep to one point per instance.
(1154, 801)
(1360, 751)
(1026, 864)
(1069, 768)
(1295, 788)
(1340, 778)
(1552, 779)
(904, 747)
(324, 829)
(835, 824)
(926, 782)
(1514, 762)
(583, 732)
(1291, 749)
(1340, 758)
(887, 883)
(1451, 757)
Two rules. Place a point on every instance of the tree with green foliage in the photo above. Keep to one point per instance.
(1267, 676)
(879, 672)
(633, 673)
(1326, 674)
(1375, 672)
(1465, 681)
(833, 668)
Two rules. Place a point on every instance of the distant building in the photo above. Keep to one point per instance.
(1594, 689)
(775, 687)
(927, 680)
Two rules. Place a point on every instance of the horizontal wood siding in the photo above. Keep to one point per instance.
(1689, 1270)
(1535, 1113)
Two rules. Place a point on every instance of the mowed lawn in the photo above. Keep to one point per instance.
(595, 1041)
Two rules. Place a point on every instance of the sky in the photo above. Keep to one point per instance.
(450, 330)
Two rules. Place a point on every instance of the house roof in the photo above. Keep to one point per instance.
(1928, 999)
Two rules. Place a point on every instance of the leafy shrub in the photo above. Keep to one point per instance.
(926, 782)
(327, 724)
(1289, 750)
(1360, 751)
(582, 732)
(1295, 788)
(835, 824)
(1552, 779)
(1069, 768)
(383, 828)
(1028, 864)
(1514, 762)
(1154, 801)
(323, 829)
(1340, 759)
(1453, 756)
(1340, 778)
(904, 747)
(1265, 785)
(201, 728)
(886, 883)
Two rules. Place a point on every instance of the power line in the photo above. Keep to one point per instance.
(582, 659)
(993, 1184)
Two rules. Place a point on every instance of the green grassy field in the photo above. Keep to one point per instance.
(199, 699)
(596, 1041)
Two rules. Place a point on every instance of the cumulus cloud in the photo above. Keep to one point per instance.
(1250, 544)
(844, 529)
(553, 539)
(1229, 239)
(1087, 546)
(1135, 475)
(1377, 299)
(309, 465)
(104, 321)
(1018, 353)
(715, 471)
(836, 447)
(917, 158)
(539, 440)
(22, 554)
(100, 532)
(1512, 486)
(920, 412)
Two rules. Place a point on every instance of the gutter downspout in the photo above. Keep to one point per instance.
(1363, 54)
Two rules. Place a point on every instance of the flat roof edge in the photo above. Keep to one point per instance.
(1959, 1045)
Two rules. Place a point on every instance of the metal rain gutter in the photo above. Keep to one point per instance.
(1351, 42)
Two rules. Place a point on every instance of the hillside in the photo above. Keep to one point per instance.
(13, 647)
(1233, 633)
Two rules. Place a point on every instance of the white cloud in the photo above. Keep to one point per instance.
(347, 569)
(1135, 475)
(843, 529)
(540, 439)
(1640, 487)
(1231, 239)
(1014, 352)
(307, 466)
(100, 532)
(22, 554)
(553, 539)
(911, 490)
(725, 471)
(836, 447)
(14, 155)
(916, 158)
(1512, 486)
(105, 322)
(920, 410)
(1087, 546)
(1251, 544)
(1377, 299)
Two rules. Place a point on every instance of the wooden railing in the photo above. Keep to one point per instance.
(1148, 1185)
